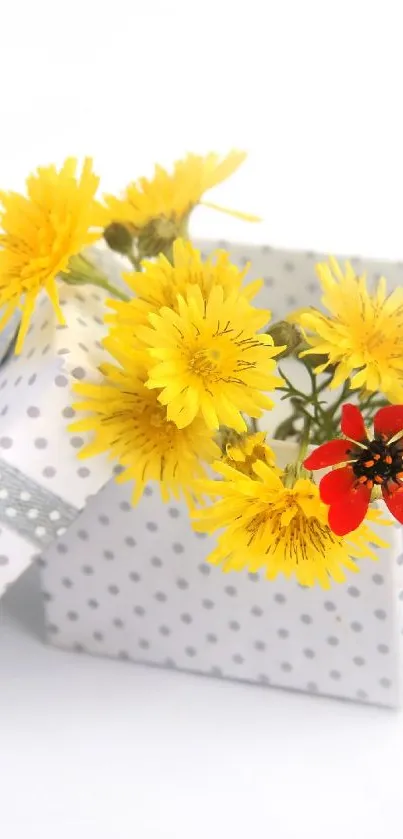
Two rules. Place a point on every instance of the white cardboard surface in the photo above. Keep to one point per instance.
(133, 583)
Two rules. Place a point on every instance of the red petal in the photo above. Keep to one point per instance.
(347, 515)
(352, 423)
(328, 454)
(335, 485)
(389, 420)
(394, 502)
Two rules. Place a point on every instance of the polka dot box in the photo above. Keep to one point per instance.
(132, 583)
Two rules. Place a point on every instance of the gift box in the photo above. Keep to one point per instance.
(133, 583)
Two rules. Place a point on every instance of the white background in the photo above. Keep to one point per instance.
(313, 90)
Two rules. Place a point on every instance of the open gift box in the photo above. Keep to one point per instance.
(133, 583)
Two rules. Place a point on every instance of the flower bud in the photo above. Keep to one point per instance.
(286, 333)
(119, 238)
(159, 234)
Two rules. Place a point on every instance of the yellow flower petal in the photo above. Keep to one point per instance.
(128, 422)
(157, 209)
(228, 212)
(187, 277)
(26, 317)
(264, 525)
(363, 333)
(41, 232)
(209, 359)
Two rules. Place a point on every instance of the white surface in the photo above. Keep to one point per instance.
(98, 749)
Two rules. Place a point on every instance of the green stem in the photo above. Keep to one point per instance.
(285, 429)
(303, 446)
(107, 286)
(324, 384)
(371, 404)
(98, 281)
(301, 409)
(381, 403)
(135, 261)
(290, 390)
(82, 272)
(340, 400)
(254, 425)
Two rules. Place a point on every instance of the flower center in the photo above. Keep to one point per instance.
(379, 463)
(157, 420)
(159, 430)
(371, 341)
(203, 363)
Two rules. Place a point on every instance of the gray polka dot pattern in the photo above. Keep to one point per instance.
(35, 409)
(129, 583)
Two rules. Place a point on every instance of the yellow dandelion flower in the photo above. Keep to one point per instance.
(157, 210)
(281, 530)
(41, 232)
(209, 359)
(130, 425)
(243, 450)
(362, 336)
(161, 281)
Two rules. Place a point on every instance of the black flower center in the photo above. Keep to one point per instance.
(379, 463)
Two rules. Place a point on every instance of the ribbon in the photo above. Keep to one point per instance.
(31, 510)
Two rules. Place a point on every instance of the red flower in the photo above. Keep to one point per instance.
(368, 463)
